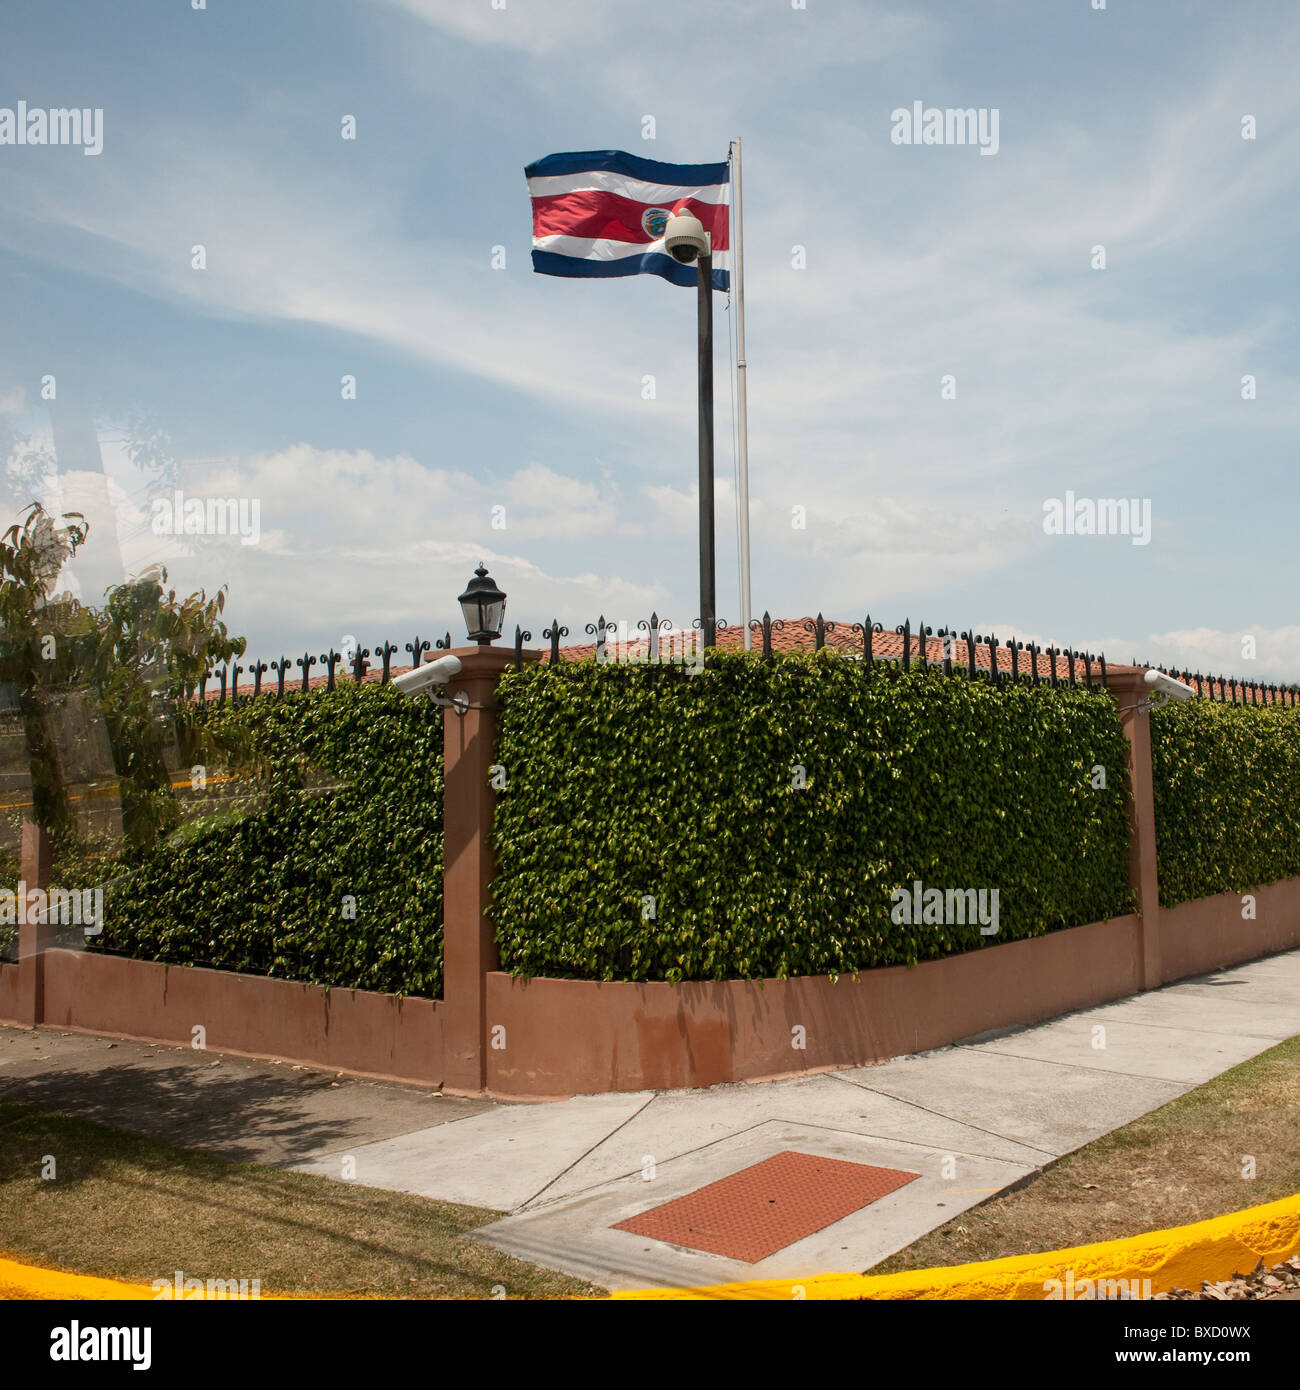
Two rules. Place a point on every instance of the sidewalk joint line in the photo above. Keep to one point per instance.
(1112, 1071)
(925, 1109)
(640, 1110)
(632, 1172)
(919, 1144)
(1206, 1032)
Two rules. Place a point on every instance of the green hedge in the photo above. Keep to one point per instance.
(1227, 797)
(348, 805)
(624, 781)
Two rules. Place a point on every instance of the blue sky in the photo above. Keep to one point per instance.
(480, 387)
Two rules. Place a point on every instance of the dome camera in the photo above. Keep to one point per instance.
(685, 239)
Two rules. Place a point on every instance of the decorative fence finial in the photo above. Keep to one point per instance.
(330, 660)
(906, 630)
(521, 636)
(385, 654)
(417, 650)
(596, 630)
(553, 635)
(819, 627)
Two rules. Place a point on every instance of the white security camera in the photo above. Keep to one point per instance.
(685, 239)
(1165, 687)
(421, 678)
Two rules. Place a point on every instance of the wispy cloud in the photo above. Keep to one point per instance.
(920, 265)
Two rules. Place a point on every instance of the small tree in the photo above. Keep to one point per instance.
(35, 630)
(153, 649)
(144, 652)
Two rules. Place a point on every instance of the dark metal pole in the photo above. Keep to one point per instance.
(708, 566)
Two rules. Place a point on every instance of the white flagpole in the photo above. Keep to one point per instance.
(742, 408)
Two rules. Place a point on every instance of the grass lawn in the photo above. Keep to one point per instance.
(1179, 1164)
(131, 1208)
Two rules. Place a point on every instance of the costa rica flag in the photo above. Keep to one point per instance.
(602, 213)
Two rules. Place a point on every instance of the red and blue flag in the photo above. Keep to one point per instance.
(603, 213)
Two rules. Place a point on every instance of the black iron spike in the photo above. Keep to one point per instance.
(946, 634)
(766, 625)
(970, 639)
(819, 627)
(330, 660)
(306, 661)
(650, 626)
(597, 630)
(521, 636)
(553, 635)
(385, 654)
(906, 630)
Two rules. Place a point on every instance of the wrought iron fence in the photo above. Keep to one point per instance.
(227, 676)
(1050, 665)
(1229, 690)
(895, 649)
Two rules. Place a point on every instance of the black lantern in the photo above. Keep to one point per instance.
(484, 607)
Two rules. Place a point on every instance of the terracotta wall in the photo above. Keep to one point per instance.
(1209, 933)
(563, 1036)
(347, 1030)
(567, 1036)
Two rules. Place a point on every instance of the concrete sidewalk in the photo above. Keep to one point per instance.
(968, 1120)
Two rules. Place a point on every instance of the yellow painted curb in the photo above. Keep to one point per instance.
(1181, 1257)
(31, 1281)
(23, 1281)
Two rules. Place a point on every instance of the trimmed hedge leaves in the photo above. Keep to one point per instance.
(753, 820)
(1227, 797)
(334, 876)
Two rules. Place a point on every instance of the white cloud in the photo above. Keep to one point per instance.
(347, 535)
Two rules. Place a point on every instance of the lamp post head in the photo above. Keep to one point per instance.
(484, 608)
